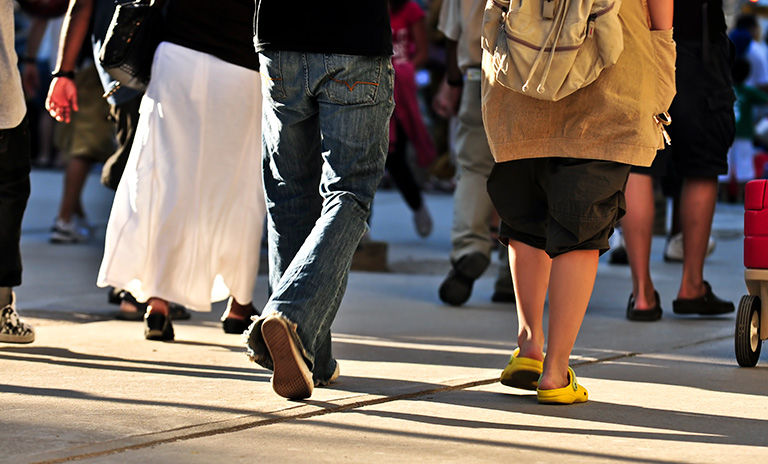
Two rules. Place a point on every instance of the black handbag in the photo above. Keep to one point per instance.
(130, 43)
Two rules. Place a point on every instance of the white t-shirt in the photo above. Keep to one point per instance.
(757, 55)
(462, 21)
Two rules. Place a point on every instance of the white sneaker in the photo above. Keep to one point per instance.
(673, 252)
(618, 248)
(423, 221)
(13, 329)
(75, 231)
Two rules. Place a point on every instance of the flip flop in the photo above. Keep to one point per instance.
(569, 394)
(522, 372)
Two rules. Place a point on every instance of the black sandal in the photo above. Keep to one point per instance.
(644, 315)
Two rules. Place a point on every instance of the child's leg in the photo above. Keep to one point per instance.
(530, 275)
(570, 288)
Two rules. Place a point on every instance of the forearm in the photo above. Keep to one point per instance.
(661, 14)
(452, 71)
(73, 33)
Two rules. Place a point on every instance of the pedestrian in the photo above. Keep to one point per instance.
(471, 243)
(14, 180)
(558, 185)
(410, 52)
(188, 214)
(702, 131)
(328, 82)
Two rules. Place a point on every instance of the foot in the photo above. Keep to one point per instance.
(652, 313)
(157, 323)
(334, 376)
(68, 232)
(237, 317)
(291, 377)
(707, 304)
(673, 251)
(521, 372)
(561, 392)
(423, 221)
(457, 286)
(618, 249)
(12, 328)
(130, 309)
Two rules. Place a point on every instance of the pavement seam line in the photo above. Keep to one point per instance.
(305, 415)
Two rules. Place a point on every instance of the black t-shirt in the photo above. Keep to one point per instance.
(349, 27)
(689, 19)
(223, 28)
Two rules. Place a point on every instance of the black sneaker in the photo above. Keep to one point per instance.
(457, 286)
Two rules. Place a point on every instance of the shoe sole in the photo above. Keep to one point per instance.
(291, 377)
(524, 380)
(17, 339)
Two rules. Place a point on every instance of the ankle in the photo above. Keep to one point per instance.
(239, 311)
(531, 349)
(5, 296)
(157, 306)
(553, 380)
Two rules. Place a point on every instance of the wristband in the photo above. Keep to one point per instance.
(68, 74)
(28, 59)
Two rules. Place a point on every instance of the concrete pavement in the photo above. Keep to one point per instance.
(418, 379)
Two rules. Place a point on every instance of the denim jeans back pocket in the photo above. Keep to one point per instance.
(271, 74)
(354, 80)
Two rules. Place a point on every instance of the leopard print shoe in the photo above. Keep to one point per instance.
(12, 328)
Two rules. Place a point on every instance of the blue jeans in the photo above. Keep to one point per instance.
(326, 132)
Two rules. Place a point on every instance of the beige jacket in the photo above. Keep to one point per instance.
(611, 119)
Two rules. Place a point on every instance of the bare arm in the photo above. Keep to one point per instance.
(30, 76)
(661, 14)
(419, 34)
(446, 101)
(62, 94)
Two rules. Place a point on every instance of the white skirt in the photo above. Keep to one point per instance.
(188, 214)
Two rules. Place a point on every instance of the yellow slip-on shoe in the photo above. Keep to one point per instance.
(569, 394)
(522, 372)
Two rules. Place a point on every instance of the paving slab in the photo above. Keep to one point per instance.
(419, 379)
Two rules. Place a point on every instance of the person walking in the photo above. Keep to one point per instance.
(327, 104)
(558, 185)
(188, 213)
(471, 244)
(691, 165)
(14, 180)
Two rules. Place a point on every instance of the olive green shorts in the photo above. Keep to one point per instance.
(90, 133)
(559, 204)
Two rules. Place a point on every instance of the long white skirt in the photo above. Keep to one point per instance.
(188, 214)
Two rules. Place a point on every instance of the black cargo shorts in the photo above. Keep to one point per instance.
(559, 204)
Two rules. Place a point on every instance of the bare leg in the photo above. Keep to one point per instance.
(697, 208)
(530, 276)
(74, 180)
(570, 288)
(637, 227)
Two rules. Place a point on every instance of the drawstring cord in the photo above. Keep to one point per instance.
(557, 27)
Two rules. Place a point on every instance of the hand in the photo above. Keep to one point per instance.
(62, 99)
(446, 101)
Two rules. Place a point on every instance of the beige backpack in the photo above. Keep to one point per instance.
(548, 49)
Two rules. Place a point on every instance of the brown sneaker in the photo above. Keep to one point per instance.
(291, 377)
